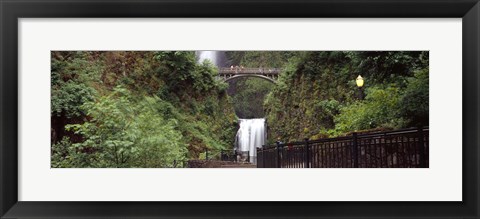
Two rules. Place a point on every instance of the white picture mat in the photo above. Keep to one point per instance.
(441, 182)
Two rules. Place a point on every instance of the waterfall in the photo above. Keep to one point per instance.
(250, 135)
(208, 55)
(252, 132)
(218, 58)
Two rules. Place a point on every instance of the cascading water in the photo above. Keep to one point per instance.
(250, 135)
(252, 132)
(208, 55)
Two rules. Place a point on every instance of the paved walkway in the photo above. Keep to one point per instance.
(219, 164)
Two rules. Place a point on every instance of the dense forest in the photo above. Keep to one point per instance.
(317, 97)
(136, 109)
(160, 109)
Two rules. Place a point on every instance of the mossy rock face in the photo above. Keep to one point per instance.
(160, 109)
(137, 109)
(316, 97)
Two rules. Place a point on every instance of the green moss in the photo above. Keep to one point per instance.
(316, 96)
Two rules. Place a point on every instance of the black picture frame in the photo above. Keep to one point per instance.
(12, 10)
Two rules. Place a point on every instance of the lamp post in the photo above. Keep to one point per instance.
(360, 81)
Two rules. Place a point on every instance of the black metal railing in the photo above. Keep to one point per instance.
(407, 148)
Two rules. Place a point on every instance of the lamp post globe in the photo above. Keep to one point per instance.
(359, 81)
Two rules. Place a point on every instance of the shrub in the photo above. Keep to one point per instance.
(379, 109)
(124, 132)
(414, 103)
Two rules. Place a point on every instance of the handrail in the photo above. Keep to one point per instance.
(404, 148)
(238, 70)
(364, 135)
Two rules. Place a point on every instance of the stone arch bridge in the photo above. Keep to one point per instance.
(270, 74)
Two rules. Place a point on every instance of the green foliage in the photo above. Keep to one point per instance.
(125, 132)
(71, 81)
(414, 102)
(316, 96)
(390, 67)
(258, 59)
(69, 97)
(203, 77)
(63, 155)
(310, 92)
(159, 109)
(142, 109)
(179, 61)
(180, 71)
(379, 109)
(325, 111)
(248, 96)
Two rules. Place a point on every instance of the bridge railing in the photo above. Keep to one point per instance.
(239, 70)
(407, 148)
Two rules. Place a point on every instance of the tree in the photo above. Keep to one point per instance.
(414, 104)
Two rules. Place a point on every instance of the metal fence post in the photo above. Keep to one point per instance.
(279, 162)
(307, 154)
(421, 149)
(355, 150)
(206, 153)
(263, 156)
